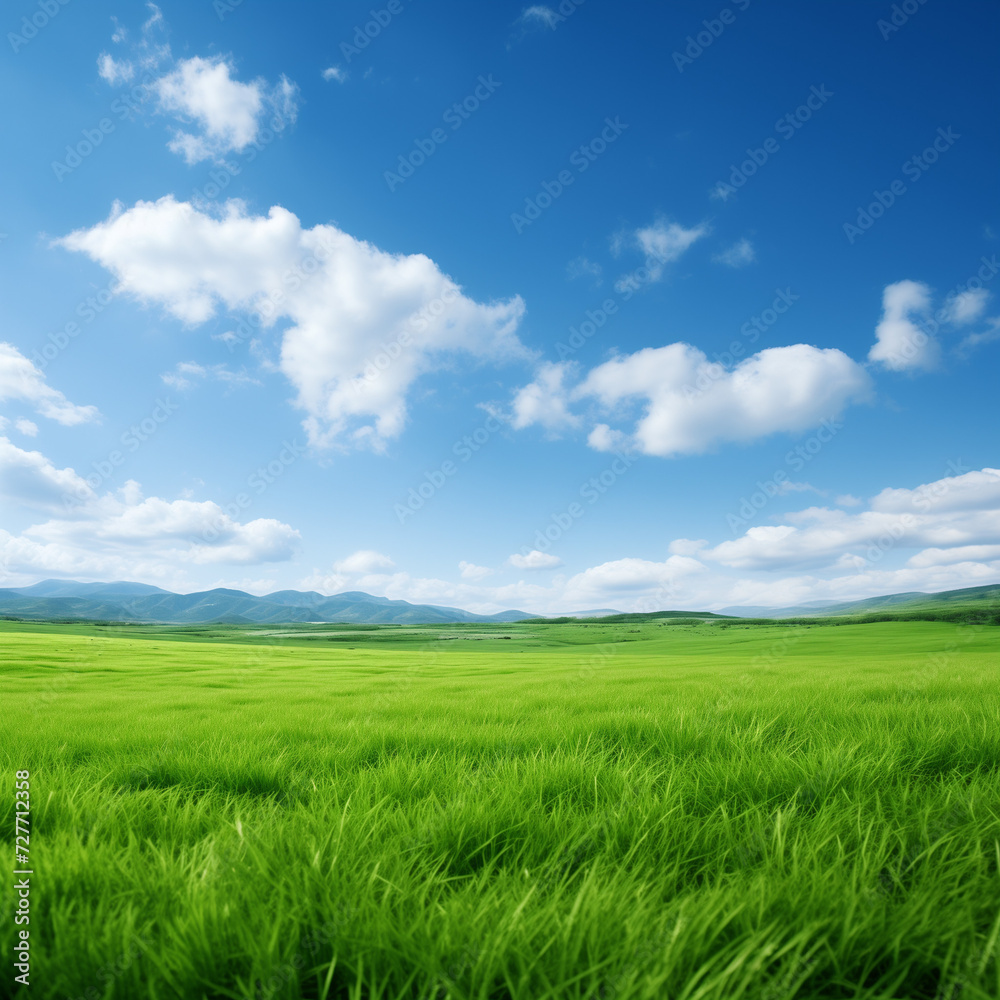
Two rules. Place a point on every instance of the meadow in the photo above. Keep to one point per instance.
(651, 810)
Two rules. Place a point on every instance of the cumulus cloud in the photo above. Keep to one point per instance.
(365, 324)
(31, 480)
(661, 582)
(938, 536)
(363, 561)
(951, 513)
(229, 114)
(218, 113)
(114, 71)
(966, 307)
(27, 427)
(20, 379)
(122, 534)
(470, 571)
(663, 243)
(545, 401)
(335, 73)
(534, 560)
(738, 255)
(691, 404)
(900, 343)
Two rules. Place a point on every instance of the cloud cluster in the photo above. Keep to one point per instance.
(950, 518)
(738, 255)
(121, 534)
(937, 536)
(228, 114)
(219, 113)
(365, 324)
(690, 404)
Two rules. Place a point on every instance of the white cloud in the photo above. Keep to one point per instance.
(186, 373)
(31, 480)
(966, 307)
(974, 340)
(691, 404)
(122, 534)
(114, 71)
(956, 511)
(20, 379)
(335, 73)
(544, 401)
(582, 267)
(960, 554)
(664, 243)
(27, 427)
(900, 343)
(541, 15)
(470, 571)
(351, 305)
(940, 536)
(363, 561)
(229, 113)
(739, 254)
(534, 560)
(632, 578)
(846, 500)
(218, 113)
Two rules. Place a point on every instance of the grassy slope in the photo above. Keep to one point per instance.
(685, 811)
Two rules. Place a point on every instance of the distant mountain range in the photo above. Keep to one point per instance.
(139, 602)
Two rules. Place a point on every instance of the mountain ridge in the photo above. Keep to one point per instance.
(138, 602)
(133, 602)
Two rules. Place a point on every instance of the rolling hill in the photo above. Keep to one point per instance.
(911, 601)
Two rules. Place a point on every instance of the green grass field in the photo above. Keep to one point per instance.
(709, 811)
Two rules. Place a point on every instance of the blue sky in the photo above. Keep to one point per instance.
(547, 307)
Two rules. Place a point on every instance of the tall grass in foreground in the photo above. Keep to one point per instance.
(634, 822)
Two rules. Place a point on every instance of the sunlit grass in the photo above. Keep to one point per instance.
(697, 812)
